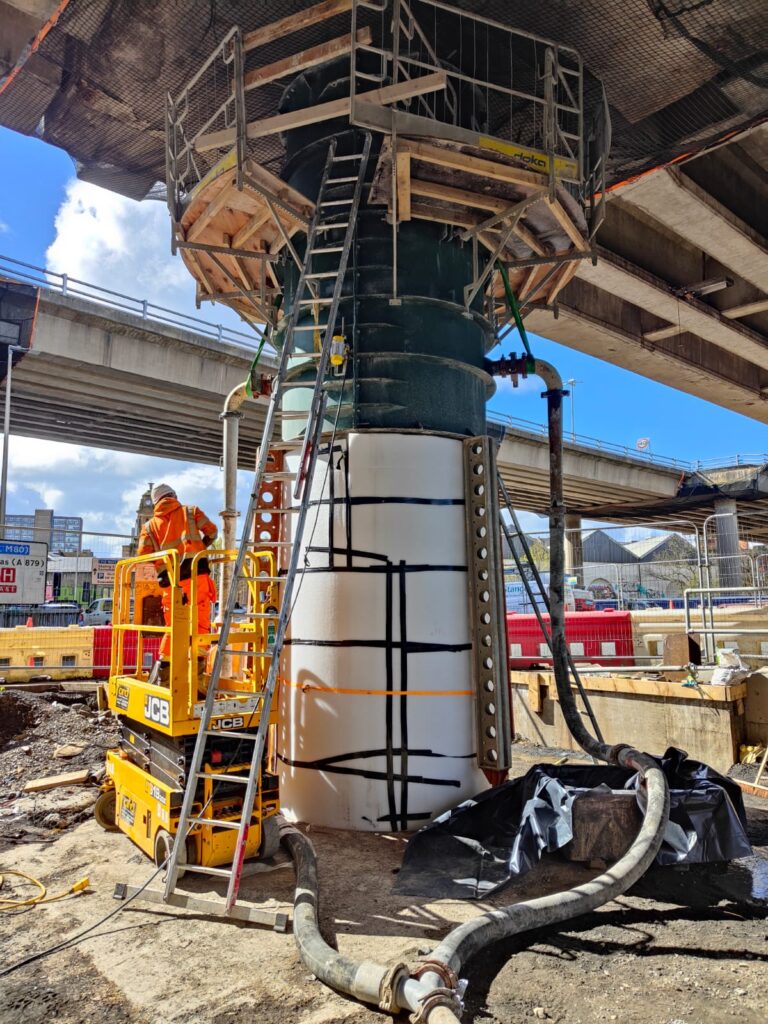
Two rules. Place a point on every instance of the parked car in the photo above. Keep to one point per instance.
(98, 612)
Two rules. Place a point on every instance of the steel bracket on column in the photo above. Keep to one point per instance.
(488, 620)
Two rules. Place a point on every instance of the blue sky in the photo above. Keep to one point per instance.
(45, 219)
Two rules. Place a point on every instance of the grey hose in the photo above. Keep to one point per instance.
(434, 1003)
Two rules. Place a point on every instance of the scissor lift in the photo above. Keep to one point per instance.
(159, 722)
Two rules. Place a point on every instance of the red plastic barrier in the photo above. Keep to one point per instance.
(102, 650)
(601, 638)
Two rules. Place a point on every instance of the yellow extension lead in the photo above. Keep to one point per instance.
(42, 896)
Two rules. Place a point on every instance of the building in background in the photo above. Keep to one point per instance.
(143, 514)
(62, 534)
(660, 567)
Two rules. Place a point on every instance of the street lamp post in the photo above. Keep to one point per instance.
(6, 435)
(571, 382)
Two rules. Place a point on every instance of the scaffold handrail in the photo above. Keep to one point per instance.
(66, 285)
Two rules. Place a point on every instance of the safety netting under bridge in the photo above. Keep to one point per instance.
(679, 75)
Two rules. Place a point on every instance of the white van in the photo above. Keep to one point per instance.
(518, 600)
(98, 612)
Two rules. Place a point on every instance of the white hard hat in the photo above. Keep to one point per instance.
(162, 491)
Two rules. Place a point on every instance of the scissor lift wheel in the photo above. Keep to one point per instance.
(163, 847)
(270, 838)
(105, 810)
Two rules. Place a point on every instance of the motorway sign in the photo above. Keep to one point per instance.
(22, 572)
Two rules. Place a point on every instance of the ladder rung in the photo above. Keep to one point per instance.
(247, 654)
(332, 227)
(310, 327)
(350, 156)
(220, 872)
(271, 544)
(262, 615)
(284, 446)
(279, 475)
(223, 777)
(218, 823)
(336, 202)
(341, 181)
(262, 579)
(315, 302)
(319, 274)
(230, 733)
(323, 250)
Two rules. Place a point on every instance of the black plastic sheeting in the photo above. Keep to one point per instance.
(474, 849)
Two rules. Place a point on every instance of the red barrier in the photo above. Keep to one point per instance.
(102, 651)
(601, 638)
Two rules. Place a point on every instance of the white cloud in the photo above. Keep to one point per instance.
(103, 487)
(3, 227)
(117, 243)
(106, 239)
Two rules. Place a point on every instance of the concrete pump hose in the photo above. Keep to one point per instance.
(464, 942)
(361, 979)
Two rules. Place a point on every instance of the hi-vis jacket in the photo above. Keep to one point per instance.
(180, 528)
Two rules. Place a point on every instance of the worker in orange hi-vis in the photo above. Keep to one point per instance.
(188, 530)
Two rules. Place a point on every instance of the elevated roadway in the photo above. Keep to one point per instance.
(671, 229)
(104, 377)
(687, 197)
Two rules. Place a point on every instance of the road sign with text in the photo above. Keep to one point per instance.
(22, 572)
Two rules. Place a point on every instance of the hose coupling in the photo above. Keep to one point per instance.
(556, 393)
(447, 975)
(449, 995)
(446, 997)
(389, 986)
(616, 751)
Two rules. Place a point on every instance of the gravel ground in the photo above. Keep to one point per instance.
(684, 947)
(32, 728)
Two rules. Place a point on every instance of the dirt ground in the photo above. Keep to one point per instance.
(686, 947)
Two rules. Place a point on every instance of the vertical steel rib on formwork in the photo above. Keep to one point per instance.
(353, 63)
(239, 100)
(580, 129)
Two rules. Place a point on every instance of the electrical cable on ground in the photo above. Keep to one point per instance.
(42, 896)
(74, 939)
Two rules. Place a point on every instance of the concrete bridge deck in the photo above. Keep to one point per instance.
(108, 378)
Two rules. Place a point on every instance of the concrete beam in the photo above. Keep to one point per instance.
(682, 206)
(603, 325)
(621, 278)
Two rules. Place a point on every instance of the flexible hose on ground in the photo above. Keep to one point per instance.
(42, 893)
(431, 997)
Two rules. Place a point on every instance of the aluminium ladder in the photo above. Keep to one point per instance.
(513, 532)
(330, 215)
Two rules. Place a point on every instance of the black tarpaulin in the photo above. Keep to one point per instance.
(474, 849)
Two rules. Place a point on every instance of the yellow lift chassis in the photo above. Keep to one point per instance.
(159, 720)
